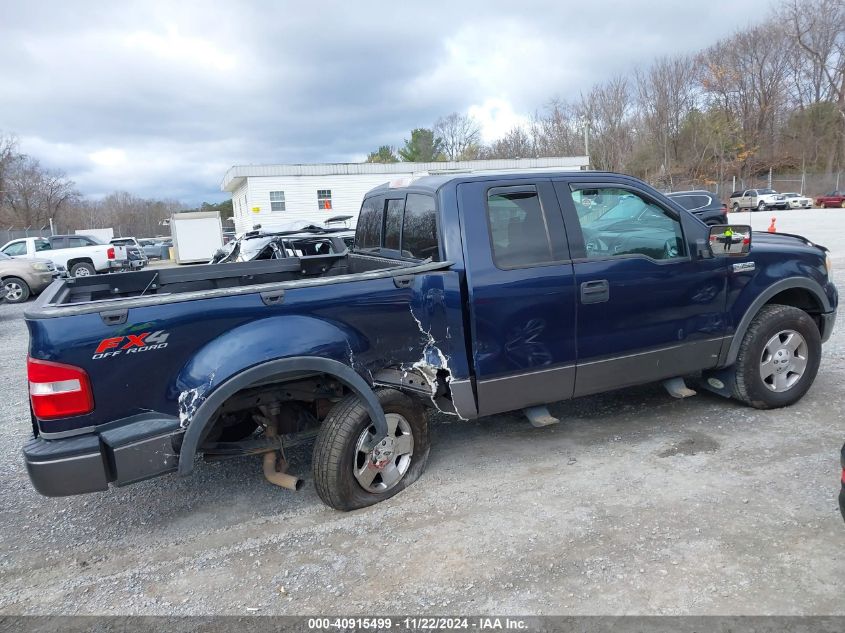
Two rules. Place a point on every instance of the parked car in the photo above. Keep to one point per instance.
(154, 248)
(797, 201)
(134, 251)
(757, 200)
(705, 205)
(80, 255)
(471, 294)
(831, 199)
(24, 278)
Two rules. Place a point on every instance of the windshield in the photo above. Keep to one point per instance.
(766, 192)
(791, 195)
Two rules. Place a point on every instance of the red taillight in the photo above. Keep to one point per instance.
(110, 253)
(57, 390)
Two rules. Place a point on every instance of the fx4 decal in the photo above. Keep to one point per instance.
(131, 344)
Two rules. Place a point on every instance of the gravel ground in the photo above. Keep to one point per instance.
(636, 504)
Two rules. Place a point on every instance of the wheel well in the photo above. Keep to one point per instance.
(292, 403)
(198, 421)
(79, 260)
(799, 298)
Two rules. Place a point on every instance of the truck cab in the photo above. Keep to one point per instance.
(471, 294)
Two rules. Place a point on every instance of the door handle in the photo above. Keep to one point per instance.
(597, 291)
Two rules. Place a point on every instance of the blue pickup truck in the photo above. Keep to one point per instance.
(470, 294)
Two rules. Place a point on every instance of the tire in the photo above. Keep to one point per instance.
(735, 207)
(843, 204)
(821, 205)
(336, 453)
(16, 290)
(774, 321)
(761, 206)
(82, 269)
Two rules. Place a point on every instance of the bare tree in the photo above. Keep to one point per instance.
(666, 95)
(515, 144)
(818, 27)
(33, 195)
(460, 135)
(556, 131)
(607, 112)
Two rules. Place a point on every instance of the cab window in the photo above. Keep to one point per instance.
(13, 250)
(617, 222)
(419, 228)
(370, 220)
(519, 236)
(42, 245)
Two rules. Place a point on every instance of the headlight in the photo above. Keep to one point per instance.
(828, 264)
(40, 267)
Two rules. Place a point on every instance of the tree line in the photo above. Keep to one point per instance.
(32, 195)
(770, 96)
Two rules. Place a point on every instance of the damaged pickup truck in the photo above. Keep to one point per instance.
(471, 294)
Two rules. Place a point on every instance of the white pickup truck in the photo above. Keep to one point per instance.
(80, 255)
(757, 200)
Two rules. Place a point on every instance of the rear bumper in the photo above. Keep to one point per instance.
(119, 264)
(142, 447)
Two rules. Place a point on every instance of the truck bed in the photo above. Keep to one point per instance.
(172, 284)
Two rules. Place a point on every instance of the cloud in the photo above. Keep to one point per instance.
(160, 98)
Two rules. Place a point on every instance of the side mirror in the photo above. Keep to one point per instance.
(730, 240)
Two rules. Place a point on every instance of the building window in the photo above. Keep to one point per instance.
(277, 201)
(324, 199)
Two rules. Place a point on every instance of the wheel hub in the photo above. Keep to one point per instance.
(784, 360)
(382, 453)
(781, 360)
(379, 466)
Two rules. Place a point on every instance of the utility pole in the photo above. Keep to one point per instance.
(586, 125)
(52, 232)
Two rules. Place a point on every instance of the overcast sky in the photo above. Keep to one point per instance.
(159, 99)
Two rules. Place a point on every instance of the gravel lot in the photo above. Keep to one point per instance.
(637, 504)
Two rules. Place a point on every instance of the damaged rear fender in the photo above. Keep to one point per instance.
(201, 418)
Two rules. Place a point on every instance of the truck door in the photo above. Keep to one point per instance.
(749, 199)
(647, 308)
(521, 293)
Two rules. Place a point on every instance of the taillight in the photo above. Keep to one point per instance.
(57, 390)
(110, 253)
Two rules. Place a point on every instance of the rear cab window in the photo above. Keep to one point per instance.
(399, 225)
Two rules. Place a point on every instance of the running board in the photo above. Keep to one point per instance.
(677, 388)
(540, 416)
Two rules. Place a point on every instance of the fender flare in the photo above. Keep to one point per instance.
(201, 420)
(789, 283)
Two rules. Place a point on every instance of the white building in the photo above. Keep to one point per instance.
(275, 195)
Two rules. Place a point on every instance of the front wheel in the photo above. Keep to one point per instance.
(735, 207)
(350, 471)
(761, 206)
(16, 289)
(778, 359)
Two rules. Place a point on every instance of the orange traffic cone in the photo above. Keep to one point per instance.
(772, 228)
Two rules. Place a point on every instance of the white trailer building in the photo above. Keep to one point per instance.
(274, 196)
